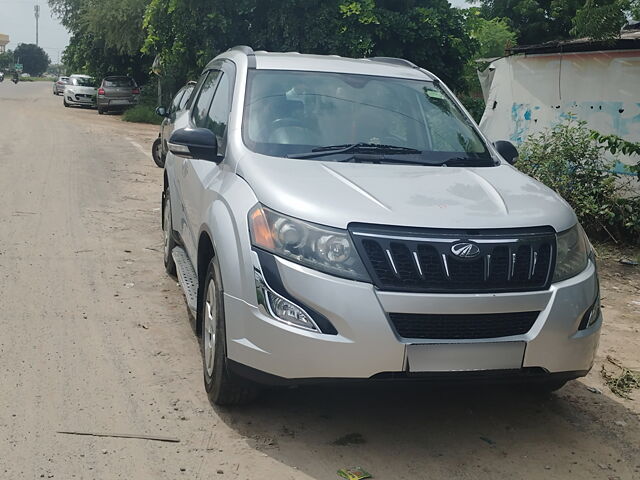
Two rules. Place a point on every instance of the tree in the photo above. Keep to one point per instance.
(106, 37)
(493, 36)
(600, 19)
(6, 60)
(33, 58)
(535, 21)
(188, 33)
(539, 21)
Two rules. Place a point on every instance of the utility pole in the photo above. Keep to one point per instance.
(36, 12)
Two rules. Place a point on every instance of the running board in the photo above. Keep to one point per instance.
(187, 278)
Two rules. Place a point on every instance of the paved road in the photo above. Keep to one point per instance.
(94, 337)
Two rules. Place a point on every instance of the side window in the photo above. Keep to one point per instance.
(176, 101)
(201, 106)
(220, 107)
(185, 98)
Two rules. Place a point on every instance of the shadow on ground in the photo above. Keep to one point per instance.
(416, 432)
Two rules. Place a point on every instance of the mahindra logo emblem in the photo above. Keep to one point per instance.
(465, 250)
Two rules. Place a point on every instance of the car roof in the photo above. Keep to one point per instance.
(80, 75)
(377, 66)
(118, 76)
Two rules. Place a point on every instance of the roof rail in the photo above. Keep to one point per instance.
(394, 61)
(244, 49)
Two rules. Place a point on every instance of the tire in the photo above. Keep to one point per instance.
(223, 387)
(156, 153)
(64, 102)
(100, 111)
(169, 240)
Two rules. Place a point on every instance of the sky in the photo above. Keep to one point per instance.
(17, 21)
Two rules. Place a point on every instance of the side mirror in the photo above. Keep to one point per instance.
(198, 143)
(161, 111)
(508, 151)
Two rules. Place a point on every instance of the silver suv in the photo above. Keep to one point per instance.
(333, 218)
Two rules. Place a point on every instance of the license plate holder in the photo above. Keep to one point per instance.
(452, 357)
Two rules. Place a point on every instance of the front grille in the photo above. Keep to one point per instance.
(458, 327)
(422, 260)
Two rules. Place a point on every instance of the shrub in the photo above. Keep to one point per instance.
(568, 159)
(142, 114)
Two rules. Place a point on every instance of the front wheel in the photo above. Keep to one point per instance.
(222, 386)
(64, 102)
(167, 229)
(156, 152)
(100, 110)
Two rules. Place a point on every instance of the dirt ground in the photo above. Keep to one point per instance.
(95, 337)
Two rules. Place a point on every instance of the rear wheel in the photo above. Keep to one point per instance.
(156, 152)
(100, 111)
(167, 228)
(223, 386)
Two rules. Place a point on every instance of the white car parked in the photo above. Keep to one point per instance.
(81, 90)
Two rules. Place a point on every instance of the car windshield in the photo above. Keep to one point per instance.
(84, 81)
(119, 82)
(289, 113)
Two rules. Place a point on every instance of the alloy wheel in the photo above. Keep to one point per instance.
(209, 330)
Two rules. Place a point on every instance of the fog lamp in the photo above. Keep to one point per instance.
(289, 312)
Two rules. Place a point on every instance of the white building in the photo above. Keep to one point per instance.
(538, 86)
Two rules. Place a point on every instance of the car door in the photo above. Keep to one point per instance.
(197, 116)
(204, 179)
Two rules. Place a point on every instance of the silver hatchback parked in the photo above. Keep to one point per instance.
(117, 93)
(333, 218)
(59, 84)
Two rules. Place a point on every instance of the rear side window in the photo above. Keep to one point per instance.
(119, 82)
(177, 100)
(185, 98)
(201, 107)
(219, 112)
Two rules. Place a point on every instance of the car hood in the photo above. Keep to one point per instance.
(337, 194)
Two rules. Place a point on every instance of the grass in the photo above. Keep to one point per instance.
(624, 382)
(142, 114)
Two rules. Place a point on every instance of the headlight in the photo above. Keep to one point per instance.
(572, 255)
(327, 249)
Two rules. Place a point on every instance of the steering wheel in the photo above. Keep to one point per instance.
(283, 123)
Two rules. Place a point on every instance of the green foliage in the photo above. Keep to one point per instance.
(6, 60)
(187, 34)
(106, 37)
(494, 36)
(600, 19)
(616, 144)
(33, 58)
(474, 105)
(539, 21)
(567, 159)
(142, 114)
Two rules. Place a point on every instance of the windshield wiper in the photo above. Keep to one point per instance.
(355, 147)
(388, 159)
(468, 162)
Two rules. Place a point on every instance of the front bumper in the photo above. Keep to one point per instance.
(367, 346)
(80, 99)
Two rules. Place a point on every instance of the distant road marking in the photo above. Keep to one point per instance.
(140, 147)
